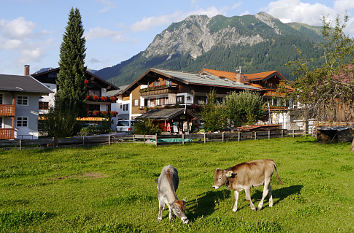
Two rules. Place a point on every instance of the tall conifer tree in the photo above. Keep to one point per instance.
(71, 88)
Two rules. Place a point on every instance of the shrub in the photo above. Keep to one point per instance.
(146, 126)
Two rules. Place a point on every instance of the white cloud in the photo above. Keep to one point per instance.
(107, 5)
(98, 32)
(298, 11)
(29, 56)
(10, 44)
(236, 5)
(156, 21)
(18, 28)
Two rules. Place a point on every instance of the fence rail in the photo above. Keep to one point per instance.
(149, 139)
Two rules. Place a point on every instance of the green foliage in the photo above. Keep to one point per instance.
(244, 107)
(146, 126)
(71, 88)
(320, 89)
(95, 129)
(60, 122)
(213, 114)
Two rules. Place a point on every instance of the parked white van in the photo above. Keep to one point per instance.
(125, 125)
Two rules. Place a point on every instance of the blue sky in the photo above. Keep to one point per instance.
(31, 30)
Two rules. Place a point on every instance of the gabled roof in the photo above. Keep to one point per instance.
(247, 77)
(56, 70)
(195, 79)
(19, 83)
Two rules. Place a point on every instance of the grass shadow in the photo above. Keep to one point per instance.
(205, 203)
(281, 193)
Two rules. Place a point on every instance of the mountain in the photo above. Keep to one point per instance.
(257, 43)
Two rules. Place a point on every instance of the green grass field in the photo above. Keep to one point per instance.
(112, 188)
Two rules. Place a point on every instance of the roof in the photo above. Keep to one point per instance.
(248, 77)
(195, 79)
(165, 114)
(56, 70)
(19, 83)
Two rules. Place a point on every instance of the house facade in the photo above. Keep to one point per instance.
(157, 90)
(98, 101)
(19, 106)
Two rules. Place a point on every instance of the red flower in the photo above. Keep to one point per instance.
(113, 113)
(96, 97)
(86, 81)
(88, 97)
(96, 112)
(104, 112)
(113, 98)
(103, 98)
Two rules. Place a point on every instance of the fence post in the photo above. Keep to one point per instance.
(293, 133)
(133, 137)
(183, 138)
(53, 140)
(268, 134)
(238, 136)
(282, 133)
(144, 138)
(204, 138)
(156, 139)
(255, 135)
(20, 144)
(109, 139)
(83, 140)
(222, 136)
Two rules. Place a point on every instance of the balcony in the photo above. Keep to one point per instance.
(7, 110)
(7, 133)
(94, 99)
(158, 90)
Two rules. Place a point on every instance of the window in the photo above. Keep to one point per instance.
(0, 98)
(22, 100)
(125, 107)
(201, 99)
(156, 83)
(43, 105)
(180, 99)
(136, 102)
(168, 83)
(21, 122)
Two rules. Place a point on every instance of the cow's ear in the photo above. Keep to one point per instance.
(228, 174)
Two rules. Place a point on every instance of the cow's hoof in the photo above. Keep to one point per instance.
(259, 208)
(253, 209)
(234, 210)
(159, 219)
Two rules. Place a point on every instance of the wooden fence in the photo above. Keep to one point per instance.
(149, 139)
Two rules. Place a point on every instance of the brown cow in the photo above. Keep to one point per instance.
(247, 175)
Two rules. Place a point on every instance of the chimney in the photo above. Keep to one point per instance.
(27, 70)
(238, 75)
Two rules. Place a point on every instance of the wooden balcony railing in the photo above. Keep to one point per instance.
(7, 133)
(7, 110)
(158, 90)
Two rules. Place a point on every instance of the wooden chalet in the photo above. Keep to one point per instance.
(97, 100)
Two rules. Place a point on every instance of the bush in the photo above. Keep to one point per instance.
(213, 114)
(146, 126)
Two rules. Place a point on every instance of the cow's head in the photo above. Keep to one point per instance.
(220, 177)
(179, 208)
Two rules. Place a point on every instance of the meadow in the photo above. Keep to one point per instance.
(112, 188)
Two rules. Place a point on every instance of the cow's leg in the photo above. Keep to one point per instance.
(248, 198)
(236, 199)
(161, 207)
(265, 192)
(270, 196)
(171, 215)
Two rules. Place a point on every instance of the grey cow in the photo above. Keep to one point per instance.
(167, 184)
(247, 175)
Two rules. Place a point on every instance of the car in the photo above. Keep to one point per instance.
(125, 125)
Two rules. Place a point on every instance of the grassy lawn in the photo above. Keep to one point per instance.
(112, 188)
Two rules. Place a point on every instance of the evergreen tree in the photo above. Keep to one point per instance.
(71, 88)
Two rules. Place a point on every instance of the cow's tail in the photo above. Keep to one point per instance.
(276, 173)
